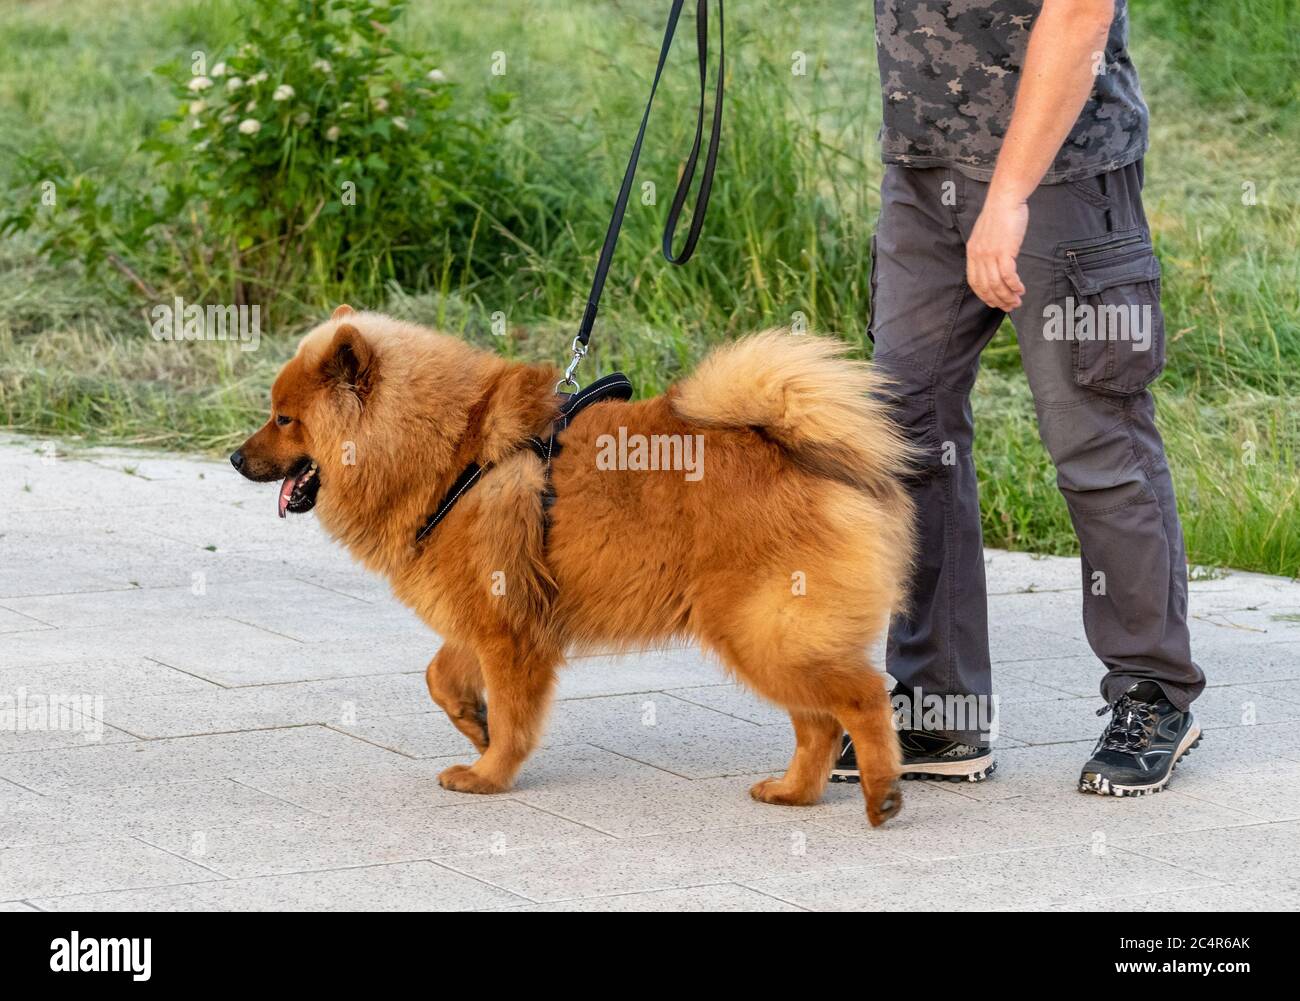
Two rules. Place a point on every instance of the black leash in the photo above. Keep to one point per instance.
(683, 186)
(616, 386)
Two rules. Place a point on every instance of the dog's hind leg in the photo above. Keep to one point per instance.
(456, 684)
(869, 719)
(817, 741)
(519, 683)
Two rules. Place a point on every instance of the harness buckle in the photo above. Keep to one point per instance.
(579, 352)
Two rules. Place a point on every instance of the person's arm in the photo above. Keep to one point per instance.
(1055, 82)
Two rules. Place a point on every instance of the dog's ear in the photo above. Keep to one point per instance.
(342, 311)
(350, 361)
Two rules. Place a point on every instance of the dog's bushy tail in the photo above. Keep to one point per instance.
(826, 411)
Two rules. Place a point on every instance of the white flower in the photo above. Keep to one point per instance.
(399, 122)
(200, 83)
(199, 147)
(258, 77)
(233, 84)
(282, 93)
(301, 119)
(332, 134)
(323, 65)
(198, 107)
(381, 105)
(226, 119)
(219, 69)
(437, 76)
(250, 126)
(250, 106)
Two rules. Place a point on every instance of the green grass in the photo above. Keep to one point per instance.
(788, 232)
(1228, 52)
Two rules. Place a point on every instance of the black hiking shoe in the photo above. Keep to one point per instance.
(1143, 742)
(925, 756)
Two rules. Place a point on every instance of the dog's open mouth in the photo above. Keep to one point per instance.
(298, 491)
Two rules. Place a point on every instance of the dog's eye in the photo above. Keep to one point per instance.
(282, 421)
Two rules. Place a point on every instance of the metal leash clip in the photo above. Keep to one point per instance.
(579, 352)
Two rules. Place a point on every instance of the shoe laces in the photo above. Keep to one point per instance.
(1130, 727)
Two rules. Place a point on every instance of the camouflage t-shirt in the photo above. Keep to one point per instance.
(949, 71)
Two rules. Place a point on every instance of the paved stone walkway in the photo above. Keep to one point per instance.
(243, 724)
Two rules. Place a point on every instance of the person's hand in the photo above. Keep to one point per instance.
(992, 249)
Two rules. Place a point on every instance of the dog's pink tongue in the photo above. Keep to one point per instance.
(286, 491)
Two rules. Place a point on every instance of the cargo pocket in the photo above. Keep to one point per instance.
(1111, 311)
(871, 293)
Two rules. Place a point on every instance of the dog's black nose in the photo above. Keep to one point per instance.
(237, 458)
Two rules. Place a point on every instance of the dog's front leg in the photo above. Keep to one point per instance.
(456, 684)
(519, 682)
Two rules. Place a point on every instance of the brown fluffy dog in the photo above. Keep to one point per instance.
(784, 557)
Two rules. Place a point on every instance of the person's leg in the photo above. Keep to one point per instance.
(929, 330)
(1092, 338)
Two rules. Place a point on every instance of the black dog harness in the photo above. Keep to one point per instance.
(615, 386)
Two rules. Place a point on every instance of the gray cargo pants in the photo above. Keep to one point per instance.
(1091, 339)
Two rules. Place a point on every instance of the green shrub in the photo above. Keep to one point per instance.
(319, 153)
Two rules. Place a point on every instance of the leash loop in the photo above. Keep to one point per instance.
(715, 137)
(688, 170)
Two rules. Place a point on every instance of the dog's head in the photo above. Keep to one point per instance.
(320, 392)
(372, 416)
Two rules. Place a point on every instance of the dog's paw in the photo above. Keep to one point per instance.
(780, 793)
(881, 808)
(463, 778)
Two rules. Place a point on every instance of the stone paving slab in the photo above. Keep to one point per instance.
(712, 897)
(263, 847)
(82, 730)
(1250, 853)
(261, 707)
(396, 887)
(16, 622)
(146, 812)
(91, 866)
(1263, 896)
(1072, 877)
(183, 759)
(628, 865)
(253, 734)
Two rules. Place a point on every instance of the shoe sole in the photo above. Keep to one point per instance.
(1100, 785)
(975, 770)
